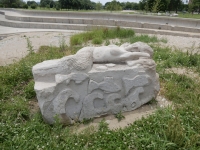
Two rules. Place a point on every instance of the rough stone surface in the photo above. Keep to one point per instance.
(96, 81)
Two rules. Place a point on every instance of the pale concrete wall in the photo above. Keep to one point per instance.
(89, 21)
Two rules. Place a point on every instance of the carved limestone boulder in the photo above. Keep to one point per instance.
(96, 81)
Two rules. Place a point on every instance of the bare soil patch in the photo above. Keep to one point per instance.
(184, 71)
(14, 47)
(184, 44)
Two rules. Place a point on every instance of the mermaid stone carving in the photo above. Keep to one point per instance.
(96, 81)
(83, 60)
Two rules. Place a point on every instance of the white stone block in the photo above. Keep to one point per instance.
(96, 81)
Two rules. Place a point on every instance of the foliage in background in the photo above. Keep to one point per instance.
(12, 3)
(161, 5)
(99, 6)
(114, 6)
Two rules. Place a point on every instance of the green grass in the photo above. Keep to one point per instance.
(144, 38)
(16, 77)
(166, 58)
(171, 128)
(98, 36)
(180, 15)
(189, 15)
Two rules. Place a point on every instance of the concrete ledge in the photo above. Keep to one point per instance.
(88, 27)
(89, 21)
(129, 24)
(2, 13)
(113, 16)
(110, 22)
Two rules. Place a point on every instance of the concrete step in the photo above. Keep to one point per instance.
(16, 20)
(173, 26)
(163, 20)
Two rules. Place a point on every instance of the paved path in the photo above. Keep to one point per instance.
(10, 30)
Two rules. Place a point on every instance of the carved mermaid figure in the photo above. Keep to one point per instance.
(73, 87)
(132, 54)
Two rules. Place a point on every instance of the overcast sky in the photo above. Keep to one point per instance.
(101, 1)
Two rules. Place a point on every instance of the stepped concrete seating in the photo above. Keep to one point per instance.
(91, 20)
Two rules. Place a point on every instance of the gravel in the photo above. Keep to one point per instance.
(181, 43)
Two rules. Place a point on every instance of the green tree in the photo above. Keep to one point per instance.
(12, 3)
(98, 6)
(135, 6)
(33, 6)
(114, 6)
(44, 3)
(142, 4)
(161, 5)
(128, 5)
(151, 4)
(146, 7)
(29, 3)
(191, 7)
(196, 4)
(76, 4)
(175, 5)
(47, 3)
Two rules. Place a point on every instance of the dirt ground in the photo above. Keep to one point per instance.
(14, 47)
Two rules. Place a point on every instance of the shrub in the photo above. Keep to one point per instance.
(25, 6)
(57, 7)
(33, 6)
(14, 5)
(97, 40)
(48, 6)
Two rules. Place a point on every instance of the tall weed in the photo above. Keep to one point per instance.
(98, 35)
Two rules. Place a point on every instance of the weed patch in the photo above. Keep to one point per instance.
(166, 58)
(98, 35)
(119, 116)
(144, 38)
(15, 76)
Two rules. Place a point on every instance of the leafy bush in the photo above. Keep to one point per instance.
(97, 40)
(33, 6)
(144, 38)
(25, 6)
(57, 7)
(14, 5)
(98, 35)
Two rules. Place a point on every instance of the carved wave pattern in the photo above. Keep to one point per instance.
(106, 91)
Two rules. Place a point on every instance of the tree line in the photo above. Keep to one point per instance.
(169, 5)
(194, 5)
(145, 5)
(12, 3)
(70, 4)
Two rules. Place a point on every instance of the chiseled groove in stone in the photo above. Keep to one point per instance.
(73, 88)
